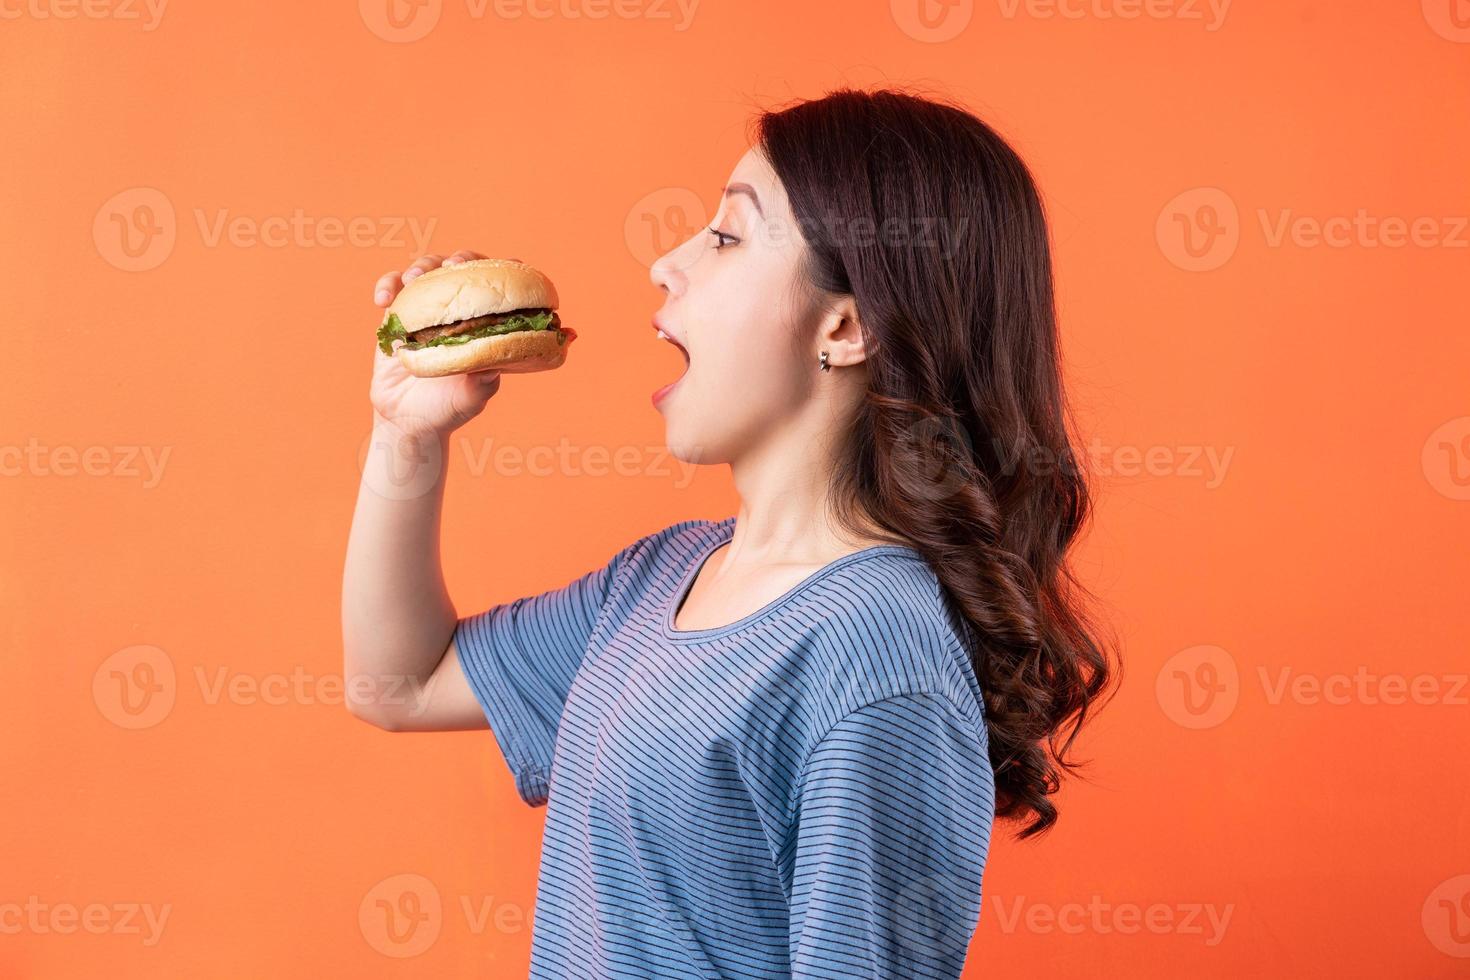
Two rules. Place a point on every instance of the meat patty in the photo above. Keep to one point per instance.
(474, 323)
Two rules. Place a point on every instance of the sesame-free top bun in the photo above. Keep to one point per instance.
(476, 288)
(458, 292)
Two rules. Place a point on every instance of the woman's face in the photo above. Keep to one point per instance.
(734, 303)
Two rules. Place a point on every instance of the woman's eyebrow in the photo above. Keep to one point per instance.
(746, 189)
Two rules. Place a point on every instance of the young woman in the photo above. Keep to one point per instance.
(773, 745)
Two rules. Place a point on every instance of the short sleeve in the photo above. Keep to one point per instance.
(520, 657)
(892, 825)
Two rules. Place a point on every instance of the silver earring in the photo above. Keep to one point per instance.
(823, 361)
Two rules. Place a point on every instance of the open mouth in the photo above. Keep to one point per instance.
(659, 395)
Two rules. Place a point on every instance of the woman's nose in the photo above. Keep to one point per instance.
(668, 272)
(661, 273)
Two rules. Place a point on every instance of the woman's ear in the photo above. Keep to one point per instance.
(840, 334)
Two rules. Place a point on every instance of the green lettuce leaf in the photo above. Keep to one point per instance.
(391, 330)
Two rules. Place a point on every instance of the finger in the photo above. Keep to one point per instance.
(463, 255)
(386, 287)
(421, 265)
(477, 388)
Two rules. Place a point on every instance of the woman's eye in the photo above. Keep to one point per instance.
(720, 239)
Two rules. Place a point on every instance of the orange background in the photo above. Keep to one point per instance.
(1329, 381)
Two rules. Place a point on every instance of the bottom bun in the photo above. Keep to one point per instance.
(517, 352)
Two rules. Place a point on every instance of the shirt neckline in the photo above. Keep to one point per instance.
(726, 531)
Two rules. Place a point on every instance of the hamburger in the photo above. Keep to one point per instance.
(485, 314)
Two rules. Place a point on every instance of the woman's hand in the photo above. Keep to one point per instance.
(440, 405)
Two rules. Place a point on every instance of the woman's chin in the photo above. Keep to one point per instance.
(687, 449)
(685, 432)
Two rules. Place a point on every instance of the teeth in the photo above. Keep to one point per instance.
(664, 336)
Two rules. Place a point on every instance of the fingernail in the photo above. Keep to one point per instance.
(381, 296)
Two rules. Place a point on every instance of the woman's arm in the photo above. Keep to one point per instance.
(400, 667)
(397, 618)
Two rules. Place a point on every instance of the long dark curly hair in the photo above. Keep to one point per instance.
(933, 225)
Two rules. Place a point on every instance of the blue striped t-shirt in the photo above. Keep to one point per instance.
(802, 793)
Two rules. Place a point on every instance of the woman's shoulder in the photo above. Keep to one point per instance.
(663, 553)
(678, 541)
(884, 628)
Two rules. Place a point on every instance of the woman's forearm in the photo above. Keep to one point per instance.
(397, 617)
